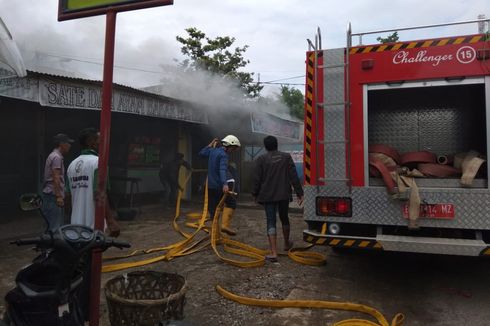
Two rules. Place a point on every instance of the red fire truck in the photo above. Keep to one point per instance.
(425, 100)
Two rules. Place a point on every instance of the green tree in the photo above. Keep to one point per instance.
(389, 39)
(293, 99)
(217, 57)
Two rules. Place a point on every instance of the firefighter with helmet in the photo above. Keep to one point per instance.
(217, 153)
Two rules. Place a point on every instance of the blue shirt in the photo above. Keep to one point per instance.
(217, 166)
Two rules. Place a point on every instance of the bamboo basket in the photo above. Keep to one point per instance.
(145, 298)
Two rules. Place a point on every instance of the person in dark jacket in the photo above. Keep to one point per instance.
(217, 153)
(274, 176)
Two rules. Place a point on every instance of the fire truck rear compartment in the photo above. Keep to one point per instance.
(445, 120)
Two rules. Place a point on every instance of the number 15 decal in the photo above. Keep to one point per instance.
(466, 54)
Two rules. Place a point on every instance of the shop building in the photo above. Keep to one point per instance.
(146, 129)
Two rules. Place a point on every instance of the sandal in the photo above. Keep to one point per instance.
(272, 259)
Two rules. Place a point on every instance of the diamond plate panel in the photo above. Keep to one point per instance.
(333, 77)
(333, 84)
(395, 128)
(446, 130)
(334, 127)
(335, 165)
(444, 120)
(436, 183)
(334, 115)
(334, 56)
(372, 205)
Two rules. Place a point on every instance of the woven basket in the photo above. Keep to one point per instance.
(145, 298)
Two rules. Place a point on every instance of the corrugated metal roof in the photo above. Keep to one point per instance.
(99, 82)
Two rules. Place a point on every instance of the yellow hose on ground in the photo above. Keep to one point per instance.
(186, 246)
(254, 257)
(397, 320)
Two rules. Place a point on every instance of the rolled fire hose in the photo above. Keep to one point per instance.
(413, 158)
(438, 170)
(414, 199)
(470, 166)
(445, 159)
(398, 184)
(386, 150)
(378, 164)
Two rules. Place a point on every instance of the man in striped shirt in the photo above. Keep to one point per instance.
(54, 182)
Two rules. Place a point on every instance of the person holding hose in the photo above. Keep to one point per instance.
(217, 153)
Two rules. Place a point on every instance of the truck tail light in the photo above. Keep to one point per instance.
(334, 206)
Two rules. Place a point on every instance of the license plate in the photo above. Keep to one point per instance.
(440, 211)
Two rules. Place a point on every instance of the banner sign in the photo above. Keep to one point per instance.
(297, 156)
(69, 5)
(77, 95)
(24, 88)
(265, 123)
(57, 93)
(72, 9)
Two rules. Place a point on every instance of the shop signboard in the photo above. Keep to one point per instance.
(266, 123)
(71, 9)
(25, 88)
(59, 93)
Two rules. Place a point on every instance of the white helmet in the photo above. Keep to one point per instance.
(230, 140)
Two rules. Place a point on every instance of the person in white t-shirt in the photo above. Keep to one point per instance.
(82, 184)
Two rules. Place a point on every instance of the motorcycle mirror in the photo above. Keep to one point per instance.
(29, 202)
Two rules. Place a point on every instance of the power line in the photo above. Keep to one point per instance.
(276, 80)
(270, 83)
(100, 64)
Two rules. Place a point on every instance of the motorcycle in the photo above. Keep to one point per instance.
(48, 291)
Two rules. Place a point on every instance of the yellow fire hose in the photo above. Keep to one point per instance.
(191, 244)
(254, 257)
(397, 320)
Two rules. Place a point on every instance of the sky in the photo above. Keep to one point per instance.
(275, 31)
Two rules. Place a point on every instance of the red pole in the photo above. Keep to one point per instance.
(105, 132)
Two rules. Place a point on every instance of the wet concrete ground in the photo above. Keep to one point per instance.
(429, 290)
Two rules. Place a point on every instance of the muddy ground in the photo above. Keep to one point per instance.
(429, 290)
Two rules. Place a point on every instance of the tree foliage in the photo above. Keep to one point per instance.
(392, 38)
(294, 100)
(217, 57)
